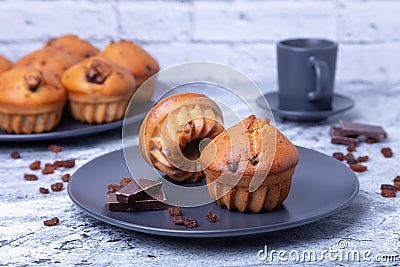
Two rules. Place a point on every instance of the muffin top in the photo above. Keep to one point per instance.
(133, 57)
(74, 46)
(29, 87)
(5, 64)
(98, 76)
(248, 148)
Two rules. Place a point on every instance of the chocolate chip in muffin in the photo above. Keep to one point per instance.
(387, 152)
(32, 81)
(175, 211)
(97, 73)
(30, 177)
(52, 222)
(254, 160)
(232, 166)
(15, 155)
(211, 217)
(35, 165)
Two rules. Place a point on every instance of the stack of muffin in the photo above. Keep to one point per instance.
(95, 85)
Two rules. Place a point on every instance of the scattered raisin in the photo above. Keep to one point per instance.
(349, 156)
(338, 155)
(125, 181)
(15, 155)
(396, 182)
(388, 190)
(35, 165)
(70, 163)
(358, 167)
(211, 217)
(351, 148)
(387, 152)
(52, 222)
(43, 190)
(65, 178)
(191, 223)
(54, 148)
(352, 161)
(48, 169)
(232, 166)
(112, 188)
(30, 177)
(363, 159)
(58, 163)
(175, 211)
(56, 187)
(371, 140)
(179, 220)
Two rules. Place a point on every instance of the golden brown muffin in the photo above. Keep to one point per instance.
(98, 90)
(74, 46)
(170, 134)
(49, 60)
(5, 64)
(245, 152)
(137, 60)
(30, 101)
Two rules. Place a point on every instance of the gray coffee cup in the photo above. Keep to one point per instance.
(306, 74)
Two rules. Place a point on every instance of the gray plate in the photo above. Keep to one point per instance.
(340, 103)
(321, 187)
(72, 128)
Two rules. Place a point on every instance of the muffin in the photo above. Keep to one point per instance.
(173, 130)
(98, 90)
(49, 60)
(245, 153)
(5, 64)
(133, 57)
(72, 45)
(30, 101)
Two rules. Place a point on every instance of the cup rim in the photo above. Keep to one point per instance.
(327, 44)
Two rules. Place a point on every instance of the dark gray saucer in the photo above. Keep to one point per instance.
(321, 187)
(340, 103)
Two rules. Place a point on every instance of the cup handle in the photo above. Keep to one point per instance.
(323, 79)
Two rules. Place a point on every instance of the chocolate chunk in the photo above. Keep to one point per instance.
(351, 128)
(254, 160)
(146, 203)
(137, 189)
(232, 166)
(33, 82)
(97, 73)
(337, 137)
(15, 155)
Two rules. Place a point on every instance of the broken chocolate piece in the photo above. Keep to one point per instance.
(146, 203)
(137, 189)
(351, 128)
(337, 137)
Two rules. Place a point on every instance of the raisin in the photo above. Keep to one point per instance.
(56, 187)
(352, 161)
(48, 169)
(387, 152)
(43, 190)
(35, 165)
(232, 166)
(125, 181)
(191, 223)
(52, 222)
(179, 220)
(211, 217)
(349, 156)
(371, 140)
(396, 182)
(65, 178)
(70, 163)
(358, 167)
(387, 186)
(30, 177)
(58, 163)
(175, 211)
(112, 188)
(338, 155)
(54, 148)
(351, 148)
(15, 155)
(363, 159)
(388, 190)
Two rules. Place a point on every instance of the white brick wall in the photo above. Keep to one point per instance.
(241, 33)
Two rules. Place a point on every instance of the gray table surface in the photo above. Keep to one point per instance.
(369, 224)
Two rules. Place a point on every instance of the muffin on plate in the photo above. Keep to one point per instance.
(172, 131)
(72, 45)
(98, 90)
(30, 101)
(249, 167)
(137, 60)
(5, 64)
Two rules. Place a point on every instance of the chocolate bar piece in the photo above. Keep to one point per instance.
(337, 137)
(371, 131)
(147, 203)
(136, 190)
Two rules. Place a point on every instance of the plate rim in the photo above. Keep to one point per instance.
(213, 233)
